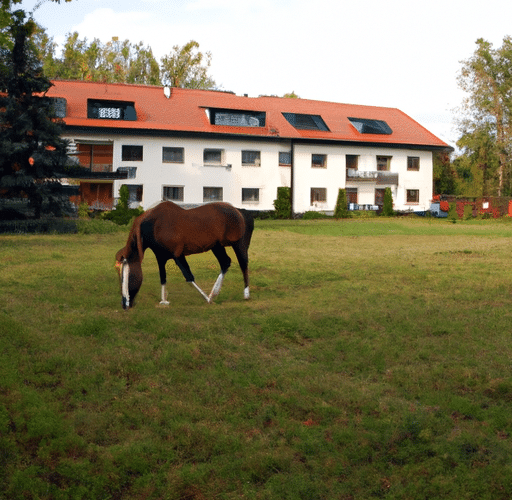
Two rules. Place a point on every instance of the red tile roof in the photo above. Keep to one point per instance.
(185, 112)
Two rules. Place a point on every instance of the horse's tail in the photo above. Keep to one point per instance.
(249, 228)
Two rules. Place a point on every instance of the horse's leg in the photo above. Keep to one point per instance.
(224, 260)
(243, 259)
(182, 263)
(163, 279)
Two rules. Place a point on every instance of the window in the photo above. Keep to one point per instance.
(111, 110)
(96, 157)
(413, 196)
(213, 156)
(285, 158)
(383, 163)
(413, 163)
(318, 161)
(173, 155)
(306, 122)
(212, 194)
(366, 126)
(250, 195)
(351, 161)
(131, 153)
(130, 171)
(351, 195)
(236, 118)
(318, 195)
(173, 193)
(134, 192)
(379, 197)
(252, 158)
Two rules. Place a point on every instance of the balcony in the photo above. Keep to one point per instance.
(96, 172)
(361, 175)
(380, 177)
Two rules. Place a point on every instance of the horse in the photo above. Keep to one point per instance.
(173, 232)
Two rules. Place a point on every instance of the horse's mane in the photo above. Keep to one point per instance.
(133, 249)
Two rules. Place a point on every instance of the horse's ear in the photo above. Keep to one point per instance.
(120, 256)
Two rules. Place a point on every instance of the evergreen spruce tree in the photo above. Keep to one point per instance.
(33, 156)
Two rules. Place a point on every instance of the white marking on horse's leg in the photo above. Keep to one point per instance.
(218, 285)
(164, 297)
(124, 283)
(200, 291)
(246, 292)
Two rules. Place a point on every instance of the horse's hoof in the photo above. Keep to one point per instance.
(164, 303)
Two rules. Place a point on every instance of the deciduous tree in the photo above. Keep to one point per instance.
(487, 110)
(444, 174)
(187, 67)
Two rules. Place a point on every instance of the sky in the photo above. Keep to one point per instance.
(397, 53)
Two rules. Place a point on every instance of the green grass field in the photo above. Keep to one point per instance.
(374, 360)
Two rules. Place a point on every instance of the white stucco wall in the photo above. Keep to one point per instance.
(193, 175)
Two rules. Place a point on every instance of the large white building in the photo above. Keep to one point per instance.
(194, 146)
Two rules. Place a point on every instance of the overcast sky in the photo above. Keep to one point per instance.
(397, 53)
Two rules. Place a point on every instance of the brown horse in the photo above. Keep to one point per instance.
(173, 232)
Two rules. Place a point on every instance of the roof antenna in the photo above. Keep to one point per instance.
(167, 92)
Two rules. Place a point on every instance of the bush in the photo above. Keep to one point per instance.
(468, 212)
(39, 226)
(283, 203)
(97, 226)
(83, 211)
(341, 209)
(452, 212)
(313, 215)
(122, 215)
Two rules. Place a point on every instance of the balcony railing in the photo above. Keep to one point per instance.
(98, 171)
(380, 177)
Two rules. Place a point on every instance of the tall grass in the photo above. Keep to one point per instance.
(373, 360)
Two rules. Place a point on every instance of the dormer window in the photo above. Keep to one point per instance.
(111, 110)
(236, 118)
(59, 107)
(367, 126)
(306, 122)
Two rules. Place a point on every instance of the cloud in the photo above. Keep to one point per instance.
(232, 5)
(104, 23)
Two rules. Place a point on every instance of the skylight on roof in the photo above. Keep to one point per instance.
(306, 122)
(367, 126)
(236, 118)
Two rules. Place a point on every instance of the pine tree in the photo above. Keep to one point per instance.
(33, 156)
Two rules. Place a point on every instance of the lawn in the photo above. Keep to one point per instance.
(372, 361)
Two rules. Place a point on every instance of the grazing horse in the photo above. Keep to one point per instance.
(173, 232)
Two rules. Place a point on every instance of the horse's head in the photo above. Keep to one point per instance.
(130, 277)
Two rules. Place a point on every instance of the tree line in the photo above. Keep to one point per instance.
(124, 62)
